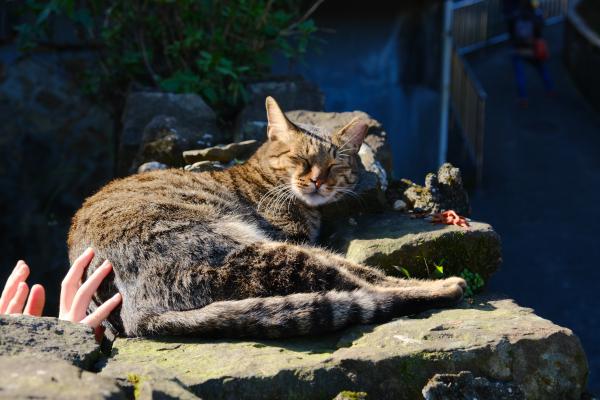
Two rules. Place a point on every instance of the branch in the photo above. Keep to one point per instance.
(289, 30)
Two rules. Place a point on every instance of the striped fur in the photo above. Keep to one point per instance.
(228, 253)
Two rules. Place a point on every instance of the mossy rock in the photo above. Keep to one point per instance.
(393, 241)
(492, 337)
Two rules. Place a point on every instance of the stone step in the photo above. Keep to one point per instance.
(394, 241)
(492, 337)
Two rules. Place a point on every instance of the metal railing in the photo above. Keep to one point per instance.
(468, 110)
(479, 23)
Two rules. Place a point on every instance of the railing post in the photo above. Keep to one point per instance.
(445, 81)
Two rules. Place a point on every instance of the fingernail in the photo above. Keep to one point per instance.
(106, 264)
(88, 250)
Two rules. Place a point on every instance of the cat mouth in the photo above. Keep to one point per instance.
(312, 197)
(315, 198)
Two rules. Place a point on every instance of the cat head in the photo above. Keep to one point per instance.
(316, 166)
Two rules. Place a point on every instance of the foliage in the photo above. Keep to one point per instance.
(403, 271)
(209, 47)
(438, 270)
(474, 282)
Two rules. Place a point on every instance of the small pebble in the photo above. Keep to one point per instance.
(399, 205)
(151, 166)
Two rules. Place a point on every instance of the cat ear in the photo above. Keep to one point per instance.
(279, 126)
(351, 136)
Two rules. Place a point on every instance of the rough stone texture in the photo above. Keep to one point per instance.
(348, 395)
(394, 239)
(56, 148)
(47, 338)
(223, 153)
(253, 130)
(442, 191)
(465, 386)
(25, 377)
(159, 126)
(292, 93)
(494, 338)
(149, 383)
(164, 389)
(202, 166)
(151, 166)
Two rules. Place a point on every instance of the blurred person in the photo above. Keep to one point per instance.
(525, 23)
(75, 295)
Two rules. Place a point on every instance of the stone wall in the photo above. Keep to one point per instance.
(489, 348)
(56, 148)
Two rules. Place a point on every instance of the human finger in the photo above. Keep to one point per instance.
(86, 291)
(70, 283)
(15, 306)
(19, 274)
(36, 301)
(101, 313)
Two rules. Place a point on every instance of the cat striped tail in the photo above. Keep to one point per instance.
(299, 314)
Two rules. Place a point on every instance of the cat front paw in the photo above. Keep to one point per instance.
(455, 280)
(453, 289)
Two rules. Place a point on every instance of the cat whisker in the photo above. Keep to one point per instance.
(281, 202)
(276, 203)
(271, 194)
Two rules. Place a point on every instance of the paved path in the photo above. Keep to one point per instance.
(542, 194)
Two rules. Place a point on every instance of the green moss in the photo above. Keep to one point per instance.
(208, 355)
(348, 395)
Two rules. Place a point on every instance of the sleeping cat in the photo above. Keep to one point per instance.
(228, 254)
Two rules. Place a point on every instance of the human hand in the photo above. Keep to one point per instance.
(15, 294)
(75, 296)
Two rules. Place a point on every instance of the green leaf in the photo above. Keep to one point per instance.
(403, 271)
(438, 272)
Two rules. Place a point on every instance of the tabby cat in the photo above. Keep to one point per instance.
(228, 254)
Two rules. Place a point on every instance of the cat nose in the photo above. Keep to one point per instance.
(317, 182)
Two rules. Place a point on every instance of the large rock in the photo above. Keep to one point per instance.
(48, 338)
(494, 338)
(159, 126)
(223, 153)
(56, 147)
(465, 385)
(391, 241)
(442, 191)
(25, 377)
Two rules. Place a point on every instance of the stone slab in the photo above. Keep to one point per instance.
(48, 338)
(392, 240)
(493, 338)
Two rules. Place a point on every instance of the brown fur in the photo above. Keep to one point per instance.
(228, 253)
